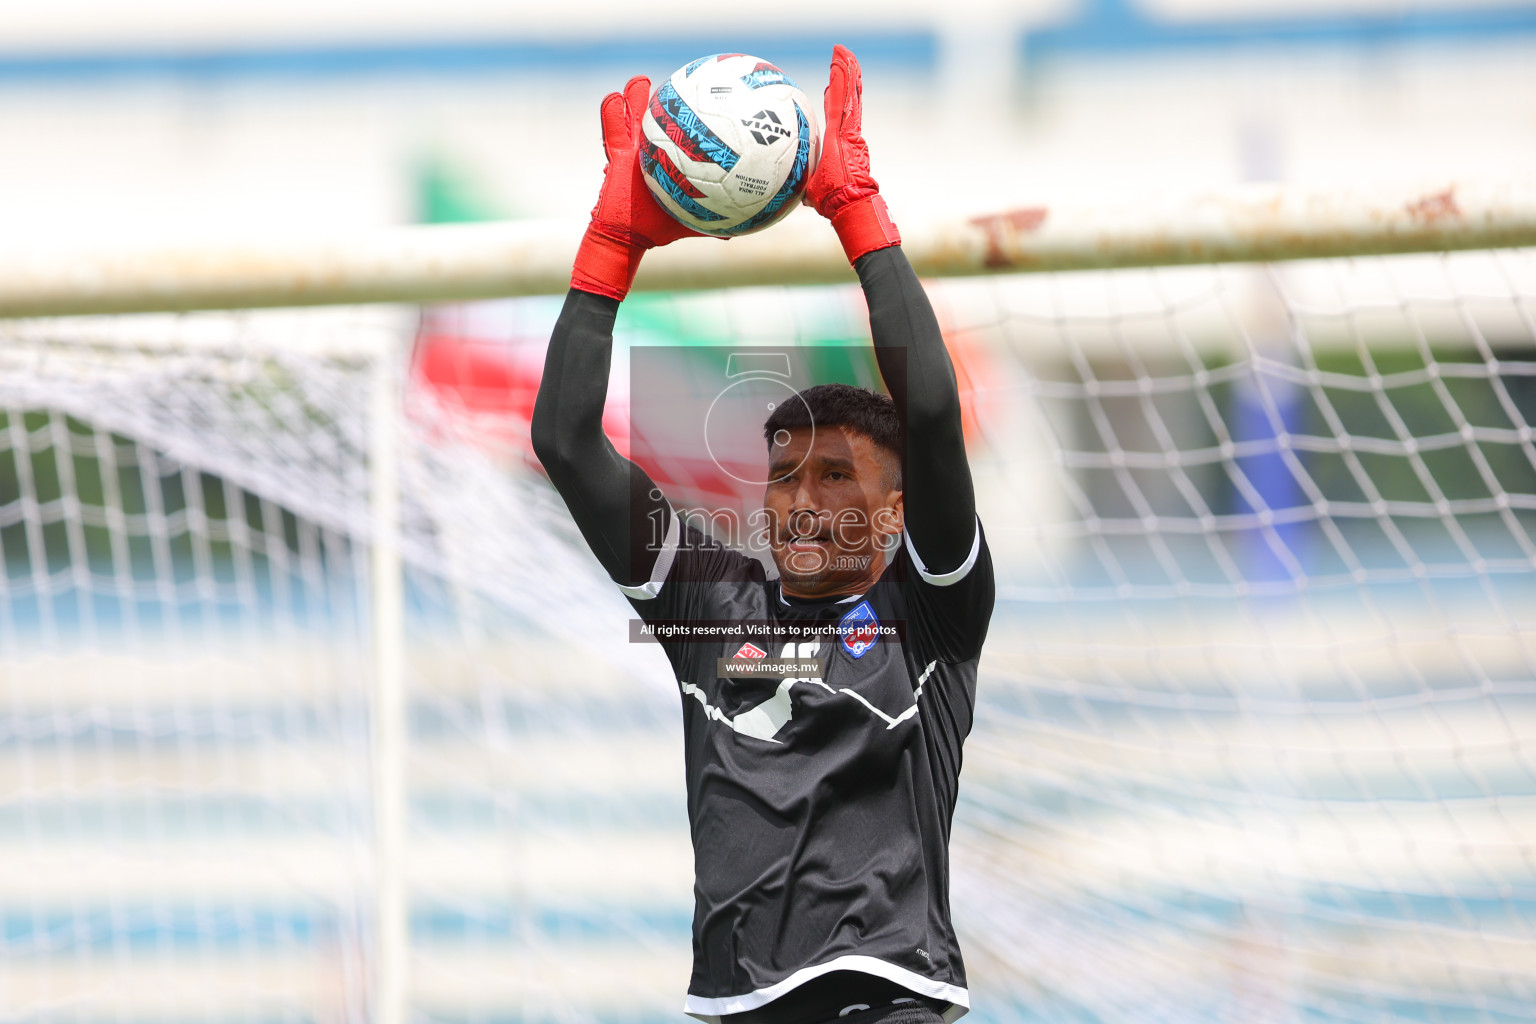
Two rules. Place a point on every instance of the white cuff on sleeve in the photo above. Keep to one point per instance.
(650, 588)
(945, 579)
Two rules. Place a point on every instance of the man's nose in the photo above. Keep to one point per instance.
(805, 518)
(805, 495)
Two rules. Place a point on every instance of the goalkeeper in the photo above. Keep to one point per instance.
(820, 806)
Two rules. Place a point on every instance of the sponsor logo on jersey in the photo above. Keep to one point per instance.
(859, 630)
(748, 650)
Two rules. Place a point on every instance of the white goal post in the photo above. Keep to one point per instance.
(441, 263)
(309, 712)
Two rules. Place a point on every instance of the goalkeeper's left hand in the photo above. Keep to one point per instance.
(842, 189)
(627, 220)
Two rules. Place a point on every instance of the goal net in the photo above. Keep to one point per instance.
(1256, 724)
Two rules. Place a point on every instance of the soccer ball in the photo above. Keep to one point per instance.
(728, 143)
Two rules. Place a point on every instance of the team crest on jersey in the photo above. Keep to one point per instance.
(858, 630)
(748, 650)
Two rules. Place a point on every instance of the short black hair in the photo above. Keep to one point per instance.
(843, 405)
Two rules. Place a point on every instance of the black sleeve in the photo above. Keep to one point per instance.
(940, 502)
(949, 582)
(620, 512)
(950, 621)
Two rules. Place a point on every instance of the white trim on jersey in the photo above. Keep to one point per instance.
(650, 588)
(945, 579)
(711, 1010)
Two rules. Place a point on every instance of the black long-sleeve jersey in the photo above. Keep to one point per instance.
(820, 804)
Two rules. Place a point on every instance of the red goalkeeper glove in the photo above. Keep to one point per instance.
(627, 220)
(842, 190)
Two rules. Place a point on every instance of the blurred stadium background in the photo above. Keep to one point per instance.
(1255, 734)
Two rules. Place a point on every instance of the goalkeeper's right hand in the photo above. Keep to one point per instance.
(627, 220)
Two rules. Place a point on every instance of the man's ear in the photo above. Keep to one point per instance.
(891, 519)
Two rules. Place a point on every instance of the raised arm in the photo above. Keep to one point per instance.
(619, 511)
(940, 504)
(617, 508)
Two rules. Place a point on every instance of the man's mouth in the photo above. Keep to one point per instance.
(809, 543)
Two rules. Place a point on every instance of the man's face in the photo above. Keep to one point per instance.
(829, 509)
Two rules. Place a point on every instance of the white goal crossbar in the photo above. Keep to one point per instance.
(442, 263)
